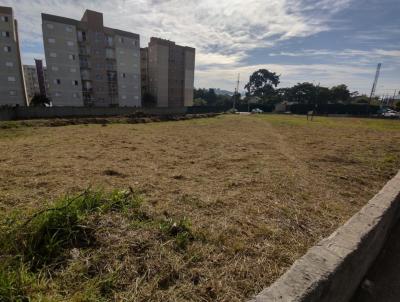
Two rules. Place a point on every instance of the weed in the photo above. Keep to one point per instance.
(43, 239)
(179, 230)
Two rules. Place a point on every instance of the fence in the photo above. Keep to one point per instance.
(21, 113)
(350, 109)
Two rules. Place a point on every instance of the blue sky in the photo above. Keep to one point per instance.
(327, 41)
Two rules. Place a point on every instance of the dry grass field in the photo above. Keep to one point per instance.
(227, 204)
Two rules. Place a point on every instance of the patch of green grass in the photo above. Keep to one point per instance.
(42, 240)
(180, 230)
(331, 122)
(16, 280)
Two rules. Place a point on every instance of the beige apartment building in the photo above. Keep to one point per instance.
(12, 89)
(168, 73)
(89, 64)
(32, 82)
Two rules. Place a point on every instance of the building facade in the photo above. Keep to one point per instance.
(35, 80)
(41, 73)
(31, 81)
(89, 64)
(12, 86)
(168, 73)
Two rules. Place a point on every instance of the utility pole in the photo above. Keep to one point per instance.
(236, 91)
(394, 98)
(378, 70)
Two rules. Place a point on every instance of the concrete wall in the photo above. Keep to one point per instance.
(7, 114)
(332, 270)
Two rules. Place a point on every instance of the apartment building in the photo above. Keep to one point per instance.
(168, 73)
(35, 79)
(89, 64)
(31, 81)
(12, 87)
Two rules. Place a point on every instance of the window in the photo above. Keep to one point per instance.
(81, 36)
(51, 40)
(5, 34)
(70, 43)
(99, 77)
(68, 29)
(121, 39)
(109, 40)
(75, 83)
(57, 81)
(72, 70)
(11, 79)
(12, 93)
(4, 18)
(9, 64)
(57, 93)
(50, 26)
(109, 53)
(71, 57)
(7, 48)
(98, 36)
(123, 75)
(54, 68)
(75, 95)
(88, 85)
(53, 54)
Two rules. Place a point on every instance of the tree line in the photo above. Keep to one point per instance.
(262, 89)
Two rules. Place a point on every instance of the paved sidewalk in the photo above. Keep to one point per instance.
(382, 282)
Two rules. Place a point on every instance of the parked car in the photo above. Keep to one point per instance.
(257, 110)
(391, 113)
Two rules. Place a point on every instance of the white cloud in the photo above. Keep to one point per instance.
(223, 33)
(355, 76)
(225, 27)
(374, 53)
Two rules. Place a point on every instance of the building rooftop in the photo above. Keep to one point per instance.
(64, 20)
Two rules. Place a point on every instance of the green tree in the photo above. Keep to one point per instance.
(323, 96)
(262, 84)
(360, 99)
(303, 93)
(199, 102)
(340, 93)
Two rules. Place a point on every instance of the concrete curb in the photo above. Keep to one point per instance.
(332, 270)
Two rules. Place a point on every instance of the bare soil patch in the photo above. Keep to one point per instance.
(230, 202)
